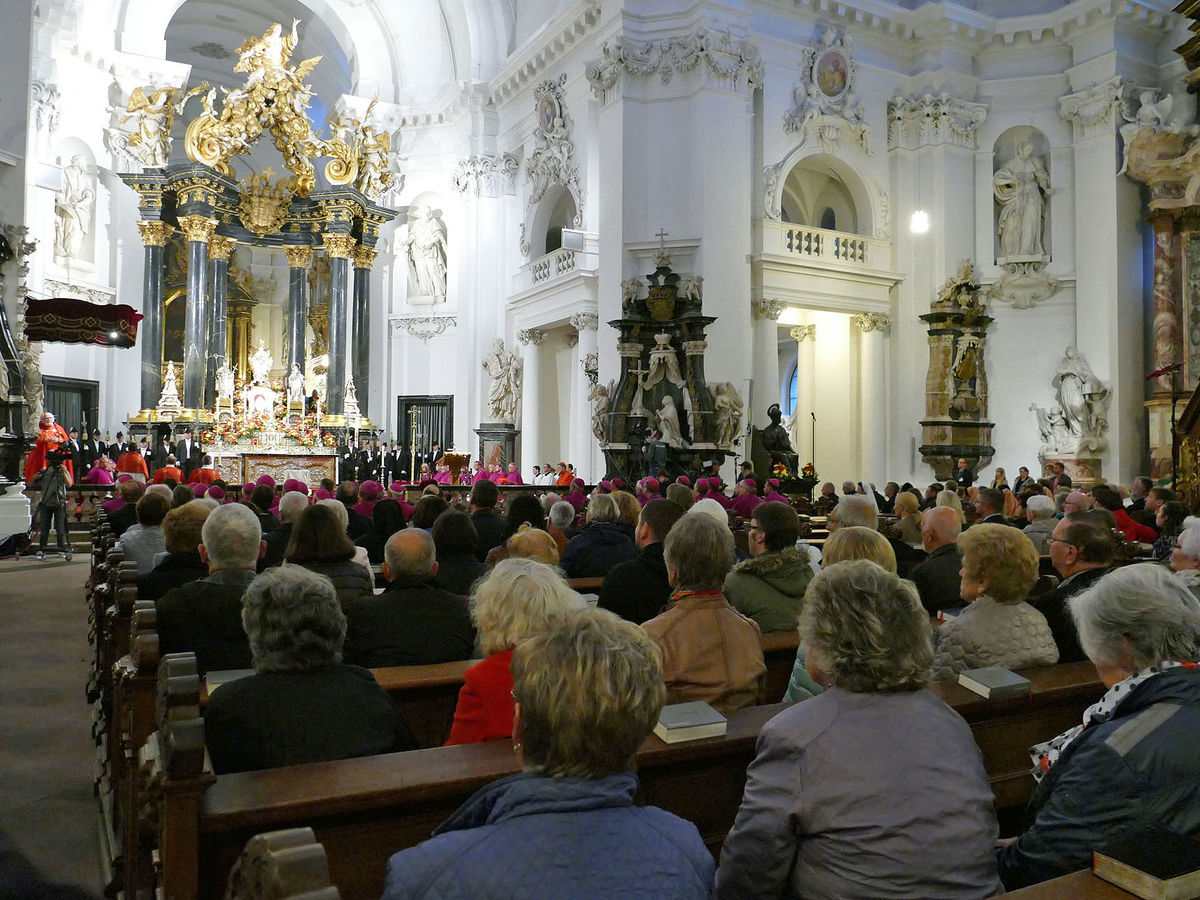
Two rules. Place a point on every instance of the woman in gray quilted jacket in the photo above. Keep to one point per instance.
(998, 628)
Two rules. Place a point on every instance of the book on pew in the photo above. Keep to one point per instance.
(689, 722)
(995, 683)
(214, 680)
(1156, 865)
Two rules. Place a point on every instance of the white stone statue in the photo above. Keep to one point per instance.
(668, 423)
(224, 381)
(1078, 421)
(295, 387)
(690, 286)
(1022, 185)
(261, 364)
(169, 399)
(664, 363)
(350, 407)
(505, 368)
(73, 208)
(426, 246)
(727, 412)
(600, 396)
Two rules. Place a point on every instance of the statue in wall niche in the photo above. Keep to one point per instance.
(426, 248)
(1021, 186)
(727, 412)
(73, 208)
(776, 442)
(668, 423)
(504, 367)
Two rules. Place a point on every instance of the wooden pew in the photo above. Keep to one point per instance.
(779, 653)
(1082, 884)
(282, 865)
(363, 810)
(1006, 729)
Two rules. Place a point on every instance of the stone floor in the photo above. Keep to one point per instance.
(48, 813)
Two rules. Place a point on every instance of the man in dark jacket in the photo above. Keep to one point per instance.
(205, 616)
(639, 589)
(769, 586)
(182, 563)
(358, 524)
(937, 578)
(489, 526)
(990, 507)
(602, 544)
(291, 505)
(963, 475)
(412, 622)
(131, 493)
(1082, 552)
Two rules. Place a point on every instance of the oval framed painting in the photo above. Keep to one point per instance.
(831, 73)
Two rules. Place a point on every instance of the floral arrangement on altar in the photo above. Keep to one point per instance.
(809, 472)
(238, 430)
(779, 470)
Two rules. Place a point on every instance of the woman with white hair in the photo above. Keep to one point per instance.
(1040, 513)
(602, 544)
(1132, 764)
(1185, 555)
(850, 790)
(519, 598)
(301, 704)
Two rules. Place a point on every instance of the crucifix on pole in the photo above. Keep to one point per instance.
(662, 258)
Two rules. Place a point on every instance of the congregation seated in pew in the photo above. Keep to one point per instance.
(321, 544)
(411, 622)
(604, 542)
(205, 616)
(181, 563)
(638, 589)
(711, 652)
(302, 704)
(454, 541)
(518, 598)
(769, 586)
(997, 627)
(1132, 763)
(587, 693)
(822, 815)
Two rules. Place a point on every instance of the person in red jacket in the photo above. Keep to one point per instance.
(50, 435)
(170, 470)
(517, 599)
(1107, 497)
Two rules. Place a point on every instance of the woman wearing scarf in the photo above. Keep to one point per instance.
(1132, 764)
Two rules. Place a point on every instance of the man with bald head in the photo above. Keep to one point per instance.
(1077, 501)
(937, 578)
(412, 623)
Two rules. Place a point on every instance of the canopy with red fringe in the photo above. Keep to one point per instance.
(72, 321)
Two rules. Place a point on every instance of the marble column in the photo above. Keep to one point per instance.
(339, 248)
(583, 451)
(299, 258)
(154, 235)
(198, 230)
(360, 343)
(873, 391)
(806, 390)
(765, 391)
(531, 397)
(219, 250)
(1168, 318)
(240, 326)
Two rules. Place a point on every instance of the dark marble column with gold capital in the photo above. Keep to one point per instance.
(219, 250)
(154, 236)
(198, 230)
(339, 248)
(360, 343)
(299, 259)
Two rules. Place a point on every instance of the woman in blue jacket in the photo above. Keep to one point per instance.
(587, 693)
(1132, 764)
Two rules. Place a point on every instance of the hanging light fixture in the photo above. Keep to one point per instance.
(919, 224)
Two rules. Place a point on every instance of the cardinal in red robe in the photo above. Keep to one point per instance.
(50, 436)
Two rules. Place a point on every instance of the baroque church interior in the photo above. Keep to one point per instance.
(818, 174)
(904, 233)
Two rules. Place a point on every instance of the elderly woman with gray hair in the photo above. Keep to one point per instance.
(301, 704)
(851, 791)
(1132, 764)
(587, 692)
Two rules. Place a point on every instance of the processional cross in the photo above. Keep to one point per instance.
(413, 435)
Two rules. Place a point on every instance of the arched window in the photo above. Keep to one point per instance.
(791, 391)
(829, 219)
